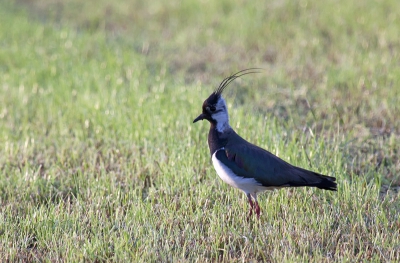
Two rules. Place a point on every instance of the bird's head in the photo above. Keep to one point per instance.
(214, 107)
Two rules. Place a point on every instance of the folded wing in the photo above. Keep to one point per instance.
(251, 161)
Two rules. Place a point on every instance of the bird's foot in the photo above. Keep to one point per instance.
(258, 210)
(253, 206)
(250, 214)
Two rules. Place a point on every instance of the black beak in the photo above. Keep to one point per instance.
(201, 117)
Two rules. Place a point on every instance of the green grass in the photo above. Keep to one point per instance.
(100, 161)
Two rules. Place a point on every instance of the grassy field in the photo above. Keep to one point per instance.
(100, 161)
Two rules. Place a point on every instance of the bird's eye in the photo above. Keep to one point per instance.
(212, 108)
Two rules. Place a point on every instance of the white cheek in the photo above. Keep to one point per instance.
(221, 116)
(222, 120)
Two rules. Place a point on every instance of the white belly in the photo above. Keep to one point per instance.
(248, 185)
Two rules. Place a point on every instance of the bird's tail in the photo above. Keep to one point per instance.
(313, 179)
(327, 183)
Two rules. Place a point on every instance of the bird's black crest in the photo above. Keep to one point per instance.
(212, 100)
(231, 78)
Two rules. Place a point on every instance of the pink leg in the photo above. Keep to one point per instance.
(258, 210)
(251, 206)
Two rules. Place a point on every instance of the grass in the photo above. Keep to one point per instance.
(100, 160)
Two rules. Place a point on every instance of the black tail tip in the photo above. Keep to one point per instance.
(328, 184)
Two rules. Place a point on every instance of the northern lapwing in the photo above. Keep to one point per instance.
(244, 165)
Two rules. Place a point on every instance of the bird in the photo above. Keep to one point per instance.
(244, 165)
